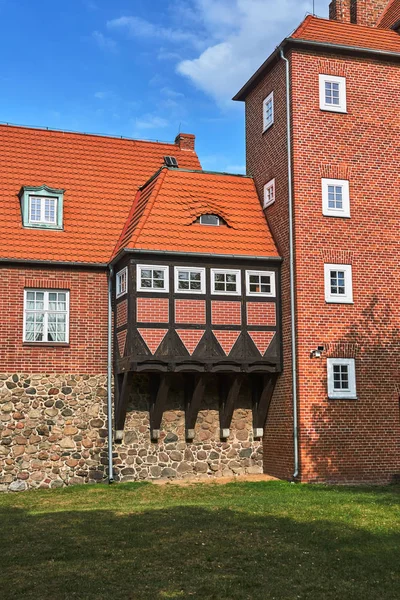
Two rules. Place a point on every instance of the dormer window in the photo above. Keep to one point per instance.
(42, 207)
(210, 220)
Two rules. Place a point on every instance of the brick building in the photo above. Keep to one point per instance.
(122, 261)
(332, 90)
(112, 244)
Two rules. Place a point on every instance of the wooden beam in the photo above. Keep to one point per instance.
(262, 389)
(194, 387)
(159, 388)
(229, 388)
(123, 386)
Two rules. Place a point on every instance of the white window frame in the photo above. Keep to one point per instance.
(270, 274)
(342, 106)
(268, 186)
(351, 392)
(200, 270)
(164, 268)
(336, 212)
(42, 199)
(267, 124)
(346, 298)
(119, 279)
(214, 272)
(210, 224)
(46, 312)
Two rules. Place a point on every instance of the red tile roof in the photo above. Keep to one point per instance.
(101, 176)
(391, 15)
(164, 214)
(315, 29)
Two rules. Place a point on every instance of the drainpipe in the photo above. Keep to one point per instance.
(109, 380)
(291, 269)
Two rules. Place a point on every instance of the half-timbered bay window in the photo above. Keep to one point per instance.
(122, 282)
(260, 283)
(341, 378)
(152, 278)
(189, 280)
(42, 207)
(225, 282)
(46, 316)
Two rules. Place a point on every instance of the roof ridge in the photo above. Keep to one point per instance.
(85, 134)
(149, 206)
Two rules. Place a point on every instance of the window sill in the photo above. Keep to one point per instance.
(338, 301)
(341, 111)
(343, 398)
(267, 128)
(335, 215)
(46, 344)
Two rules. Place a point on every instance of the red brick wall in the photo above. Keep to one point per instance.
(349, 440)
(266, 159)
(122, 313)
(226, 313)
(152, 310)
(87, 350)
(190, 311)
(261, 313)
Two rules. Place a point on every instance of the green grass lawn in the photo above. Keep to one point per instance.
(238, 541)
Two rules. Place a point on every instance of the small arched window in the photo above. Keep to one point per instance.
(210, 220)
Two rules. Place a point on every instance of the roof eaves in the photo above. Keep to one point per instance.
(64, 263)
(291, 41)
(204, 254)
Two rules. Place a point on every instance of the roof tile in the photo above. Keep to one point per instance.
(101, 176)
(164, 214)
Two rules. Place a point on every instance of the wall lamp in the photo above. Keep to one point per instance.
(317, 353)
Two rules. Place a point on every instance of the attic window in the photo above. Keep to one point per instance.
(42, 207)
(210, 220)
(171, 161)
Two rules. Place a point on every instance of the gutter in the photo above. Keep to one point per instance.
(196, 254)
(56, 263)
(109, 380)
(291, 270)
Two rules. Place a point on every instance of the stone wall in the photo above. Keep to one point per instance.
(53, 432)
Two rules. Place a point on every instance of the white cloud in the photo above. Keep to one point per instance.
(245, 32)
(104, 42)
(170, 93)
(138, 27)
(150, 121)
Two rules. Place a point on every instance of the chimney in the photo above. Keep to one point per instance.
(340, 10)
(185, 141)
(361, 12)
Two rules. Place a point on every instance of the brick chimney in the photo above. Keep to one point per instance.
(185, 141)
(340, 10)
(361, 12)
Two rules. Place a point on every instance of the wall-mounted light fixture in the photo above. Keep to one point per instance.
(317, 353)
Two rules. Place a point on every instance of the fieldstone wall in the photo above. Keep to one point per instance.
(53, 432)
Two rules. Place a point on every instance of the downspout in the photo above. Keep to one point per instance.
(291, 270)
(109, 380)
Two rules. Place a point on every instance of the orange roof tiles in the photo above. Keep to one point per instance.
(178, 197)
(315, 29)
(101, 176)
(391, 15)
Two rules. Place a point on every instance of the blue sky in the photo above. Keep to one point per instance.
(140, 68)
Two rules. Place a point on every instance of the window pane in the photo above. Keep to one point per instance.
(158, 275)
(145, 283)
(183, 285)
(219, 287)
(195, 275)
(146, 273)
(231, 287)
(49, 210)
(195, 285)
(231, 277)
(158, 283)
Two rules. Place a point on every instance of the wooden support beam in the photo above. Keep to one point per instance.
(229, 388)
(194, 386)
(123, 386)
(159, 388)
(262, 389)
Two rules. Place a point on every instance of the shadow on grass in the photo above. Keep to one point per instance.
(189, 552)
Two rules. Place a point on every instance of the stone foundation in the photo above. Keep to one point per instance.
(53, 432)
